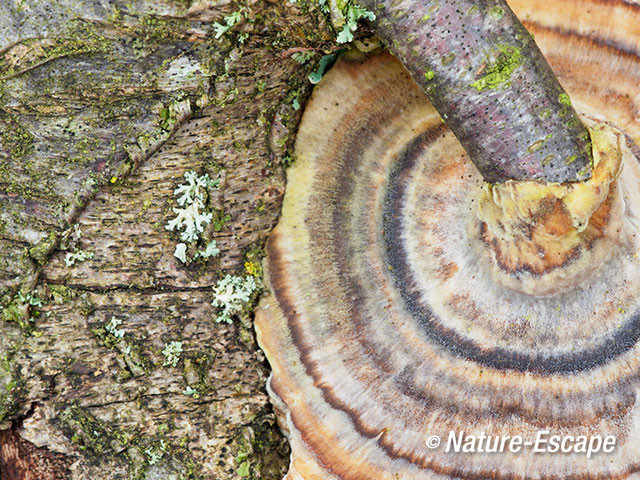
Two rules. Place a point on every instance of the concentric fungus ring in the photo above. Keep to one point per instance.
(385, 324)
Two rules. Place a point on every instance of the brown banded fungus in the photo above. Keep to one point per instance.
(409, 298)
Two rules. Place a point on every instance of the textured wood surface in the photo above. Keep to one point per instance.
(385, 325)
(89, 159)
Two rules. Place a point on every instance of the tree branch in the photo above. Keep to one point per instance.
(484, 73)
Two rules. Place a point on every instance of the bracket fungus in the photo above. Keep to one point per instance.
(410, 299)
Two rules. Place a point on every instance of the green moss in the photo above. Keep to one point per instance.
(78, 38)
(14, 312)
(12, 386)
(500, 65)
(156, 30)
(15, 139)
(260, 452)
(22, 311)
(87, 431)
(253, 259)
(131, 358)
(195, 370)
(429, 75)
(41, 251)
(219, 219)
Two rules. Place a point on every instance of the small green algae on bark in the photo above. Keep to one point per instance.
(500, 65)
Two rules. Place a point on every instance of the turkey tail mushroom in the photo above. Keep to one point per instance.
(397, 313)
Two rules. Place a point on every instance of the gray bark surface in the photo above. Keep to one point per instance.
(104, 105)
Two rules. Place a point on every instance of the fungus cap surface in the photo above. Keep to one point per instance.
(385, 324)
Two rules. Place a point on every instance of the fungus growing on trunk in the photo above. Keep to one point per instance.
(410, 299)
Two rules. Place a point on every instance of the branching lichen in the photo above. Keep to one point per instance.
(211, 250)
(231, 294)
(352, 14)
(78, 256)
(112, 328)
(191, 218)
(171, 353)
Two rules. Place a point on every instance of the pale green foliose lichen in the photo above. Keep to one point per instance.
(303, 57)
(29, 299)
(181, 252)
(191, 392)
(229, 21)
(171, 353)
(191, 218)
(211, 250)
(352, 13)
(112, 327)
(231, 294)
(78, 256)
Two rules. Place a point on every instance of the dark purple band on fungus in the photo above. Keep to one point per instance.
(618, 342)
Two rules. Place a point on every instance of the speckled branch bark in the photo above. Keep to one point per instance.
(485, 75)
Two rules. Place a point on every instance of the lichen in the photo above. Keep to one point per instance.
(230, 21)
(323, 65)
(211, 250)
(171, 353)
(352, 14)
(191, 217)
(130, 358)
(77, 256)
(500, 64)
(232, 294)
(112, 327)
(181, 252)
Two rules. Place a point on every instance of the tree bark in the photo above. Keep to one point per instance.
(485, 75)
(103, 106)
